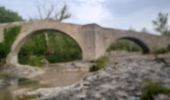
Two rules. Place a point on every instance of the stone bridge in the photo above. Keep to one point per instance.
(92, 39)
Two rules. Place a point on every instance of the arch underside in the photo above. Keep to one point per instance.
(144, 47)
(17, 45)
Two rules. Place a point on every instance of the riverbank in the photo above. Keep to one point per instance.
(123, 79)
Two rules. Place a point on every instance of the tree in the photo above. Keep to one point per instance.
(131, 29)
(161, 24)
(7, 15)
(51, 13)
(144, 30)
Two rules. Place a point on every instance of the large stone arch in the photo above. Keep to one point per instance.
(28, 32)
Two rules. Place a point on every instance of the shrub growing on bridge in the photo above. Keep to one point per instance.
(9, 36)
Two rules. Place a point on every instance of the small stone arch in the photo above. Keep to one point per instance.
(145, 48)
(12, 57)
(140, 43)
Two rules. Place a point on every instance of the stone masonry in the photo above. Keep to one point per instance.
(92, 39)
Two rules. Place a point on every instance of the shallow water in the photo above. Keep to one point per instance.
(60, 76)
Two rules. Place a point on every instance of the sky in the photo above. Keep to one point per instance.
(121, 14)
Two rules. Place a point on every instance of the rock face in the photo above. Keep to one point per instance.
(122, 80)
(162, 97)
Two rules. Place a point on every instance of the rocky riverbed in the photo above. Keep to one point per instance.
(123, 79)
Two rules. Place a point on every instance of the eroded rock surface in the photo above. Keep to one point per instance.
(121, 80)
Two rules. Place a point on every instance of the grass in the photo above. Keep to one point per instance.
(152, 89)
(100, 63)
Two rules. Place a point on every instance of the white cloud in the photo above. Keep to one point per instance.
(92, 11)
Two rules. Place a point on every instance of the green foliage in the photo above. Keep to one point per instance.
(60, 48)
(8, 15)
(33, 52)
(167, 33)
(160, 60)
(160, 51)
(161, 24)
(24, 82)
(125, 45)
(152, 89)
(100, 63)
(33, 60)
(36, 45)
(168, 48)
(33, 84)
(9, 36)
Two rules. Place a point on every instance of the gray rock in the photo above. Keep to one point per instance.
(121, 81)
(162, 97)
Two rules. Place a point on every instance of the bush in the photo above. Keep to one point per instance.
(160, 60)
(152, 89)
(34, 60)
(168, 48)
(10, 35)
(100, 63)
(160, 51)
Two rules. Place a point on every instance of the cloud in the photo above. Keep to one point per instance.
(93, 11)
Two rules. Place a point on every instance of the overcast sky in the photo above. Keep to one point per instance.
(121, 14)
